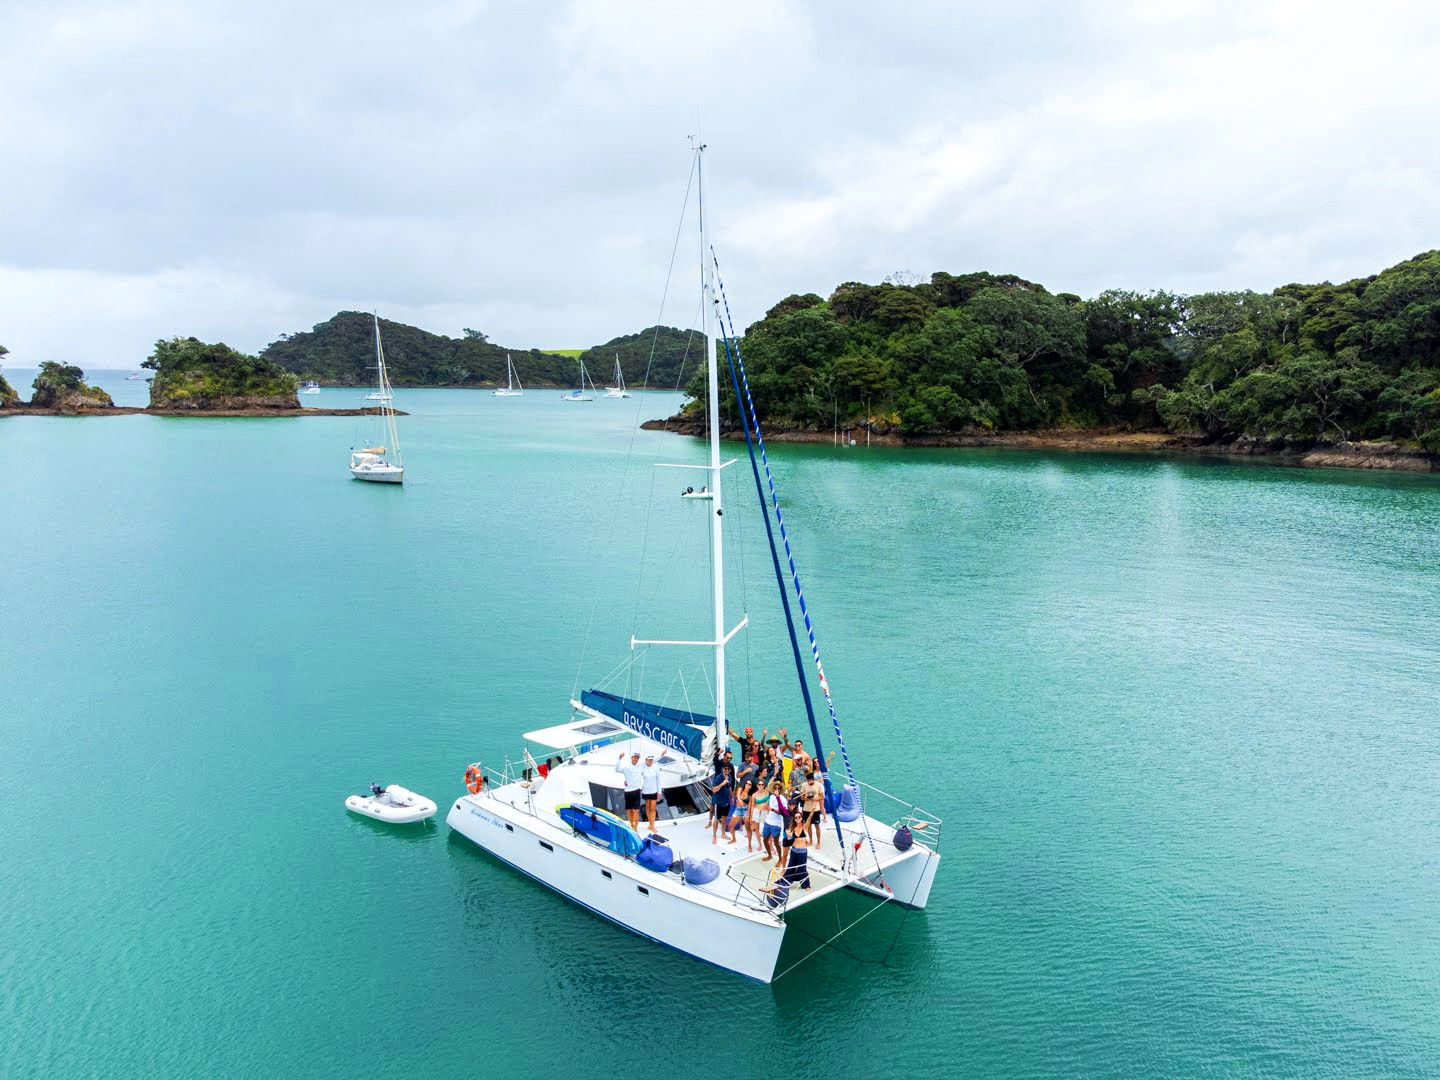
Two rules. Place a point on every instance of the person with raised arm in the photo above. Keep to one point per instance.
(631, 773)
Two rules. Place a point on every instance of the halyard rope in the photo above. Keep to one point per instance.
(753, 419)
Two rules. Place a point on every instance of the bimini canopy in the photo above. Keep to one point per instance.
(675, 729)
(583, 734)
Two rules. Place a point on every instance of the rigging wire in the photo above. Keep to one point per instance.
(634, 433)
(728, 329)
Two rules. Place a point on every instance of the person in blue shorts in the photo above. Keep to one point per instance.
(775, 811)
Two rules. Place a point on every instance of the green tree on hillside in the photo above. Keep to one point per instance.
(983, 351)
(62, 385)
(8, 396)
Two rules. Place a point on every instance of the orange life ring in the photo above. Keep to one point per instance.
(474, 779)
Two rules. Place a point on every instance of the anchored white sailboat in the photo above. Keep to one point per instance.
(618, 390)
(512, 387)
(559, 823)
(580, 394)
(381, 462)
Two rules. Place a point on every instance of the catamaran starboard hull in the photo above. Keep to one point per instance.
(621, 890)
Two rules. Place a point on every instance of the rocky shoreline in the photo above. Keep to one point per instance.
(133, 410)
(1355, 455)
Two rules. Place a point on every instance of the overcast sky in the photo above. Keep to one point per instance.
(239, 170)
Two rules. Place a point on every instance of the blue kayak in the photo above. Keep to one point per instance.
(601, 826)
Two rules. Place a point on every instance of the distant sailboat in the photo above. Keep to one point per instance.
(581, 395)
(618, 390)
(380, 463)
(512, 387)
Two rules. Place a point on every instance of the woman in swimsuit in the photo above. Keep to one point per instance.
(797, 869)
(740, 809)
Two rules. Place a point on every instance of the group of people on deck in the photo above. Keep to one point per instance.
(777, 795)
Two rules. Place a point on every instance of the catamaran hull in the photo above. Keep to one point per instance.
(621, 891)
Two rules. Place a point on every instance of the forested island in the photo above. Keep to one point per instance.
(192, 378)
(194, 375)
(341, 352)
(978, 357)
(58, 388)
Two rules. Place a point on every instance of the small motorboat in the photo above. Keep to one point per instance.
(691, 493)
(136, 377)
(311, 387)
(393, 803)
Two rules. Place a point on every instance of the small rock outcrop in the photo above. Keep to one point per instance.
(62, 387)
(192, 375)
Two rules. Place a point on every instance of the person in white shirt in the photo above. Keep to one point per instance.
(776, 810)
(650, 787)
(631, 773)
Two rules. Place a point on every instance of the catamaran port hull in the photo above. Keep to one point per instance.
(642, 901)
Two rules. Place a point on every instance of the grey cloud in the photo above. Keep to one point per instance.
(241, 171)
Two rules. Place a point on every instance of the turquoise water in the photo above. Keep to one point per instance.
(1179, 718)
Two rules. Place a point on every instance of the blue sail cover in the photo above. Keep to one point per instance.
(676, 729)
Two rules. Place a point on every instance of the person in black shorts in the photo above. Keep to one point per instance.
(631, 773)
(722, 789)
(650, 787)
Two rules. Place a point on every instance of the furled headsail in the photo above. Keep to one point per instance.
(676, 729)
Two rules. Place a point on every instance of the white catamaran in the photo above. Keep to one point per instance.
(512, 387)
(561, 823)
(380, 463)
(580, 394)
(618, 390)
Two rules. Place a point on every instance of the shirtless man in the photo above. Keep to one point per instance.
(812, 798)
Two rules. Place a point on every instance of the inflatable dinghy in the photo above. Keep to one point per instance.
(395, 804)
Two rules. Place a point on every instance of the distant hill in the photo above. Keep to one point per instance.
(678, 354)
(341, 351)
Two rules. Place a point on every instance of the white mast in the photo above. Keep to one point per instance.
(384, 384)
(717, 544)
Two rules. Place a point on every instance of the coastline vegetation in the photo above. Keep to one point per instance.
(982, 352)
(341, 351)
(62, 386)
(8, 394)
(192, 374)
(658, 357)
